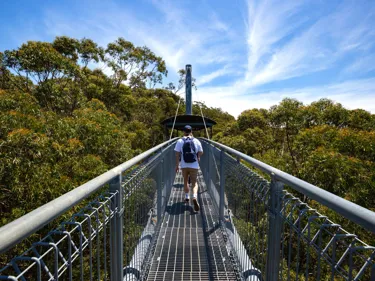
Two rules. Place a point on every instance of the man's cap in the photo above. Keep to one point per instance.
(187, 128)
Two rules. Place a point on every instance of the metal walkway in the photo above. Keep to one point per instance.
(191, 246)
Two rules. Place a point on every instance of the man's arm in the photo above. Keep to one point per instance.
(177, 151)
(200, 150)
(199, 154)
(177, 160)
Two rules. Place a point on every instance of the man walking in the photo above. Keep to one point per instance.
(189, 150)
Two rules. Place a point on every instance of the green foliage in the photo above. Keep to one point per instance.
(181, 82)
(361, 119)
(44, 155)
(240, 143)
(39, 61)
(63, 123)
(85, 49)
(323, 143)
(250, 119)
(327, 112)
(135, 65)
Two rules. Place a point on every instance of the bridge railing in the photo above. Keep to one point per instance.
(108, 238)
(273, 234)
(277, 236)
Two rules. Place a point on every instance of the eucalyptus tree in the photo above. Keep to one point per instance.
(136, 66)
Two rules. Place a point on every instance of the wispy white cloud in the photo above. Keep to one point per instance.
(275, 54)
(361, 65)
(224, 71)
(172, 35)
(172, 13)
(352, 94)
(268, 23)
(277, 41)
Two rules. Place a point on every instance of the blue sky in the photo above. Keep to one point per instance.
(244, 53)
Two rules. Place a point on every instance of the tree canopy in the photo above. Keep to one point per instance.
(71, 109)
(64, 120)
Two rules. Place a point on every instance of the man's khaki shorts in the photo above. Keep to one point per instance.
(190, 171)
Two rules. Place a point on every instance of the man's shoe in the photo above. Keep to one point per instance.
(196, 204)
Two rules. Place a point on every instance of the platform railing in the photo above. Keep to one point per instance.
(109, 238)
(277, 236)
(272, 234)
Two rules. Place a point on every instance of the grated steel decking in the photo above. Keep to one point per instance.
(191, 246)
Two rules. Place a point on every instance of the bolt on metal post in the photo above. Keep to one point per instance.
(117, 224)
(274, 230)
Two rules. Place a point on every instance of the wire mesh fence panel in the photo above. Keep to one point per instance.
(245, 209)
(315, 248)
(277, 236)
(77, 250)
(141, 219)
(84, 247)
(247, 197)
(211, 170)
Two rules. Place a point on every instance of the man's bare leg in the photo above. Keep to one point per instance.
(193, 178)
(185, 175)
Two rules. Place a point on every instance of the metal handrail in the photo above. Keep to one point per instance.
(21, 228)
(351, 211)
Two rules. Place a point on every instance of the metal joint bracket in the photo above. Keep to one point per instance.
(121, 212)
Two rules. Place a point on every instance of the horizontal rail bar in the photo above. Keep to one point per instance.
(19, 229)
(351, 211)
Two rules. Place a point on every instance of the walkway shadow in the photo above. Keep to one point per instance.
(253, 274)
(178, 185)
(131, 274)
(213, 229)
(179, 208)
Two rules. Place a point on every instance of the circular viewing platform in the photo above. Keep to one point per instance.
(195, 121)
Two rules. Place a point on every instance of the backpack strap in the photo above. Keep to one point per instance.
(192, 139)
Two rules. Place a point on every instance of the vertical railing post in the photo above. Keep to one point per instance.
(159, 186)
(117, 224)
(222, 185)
(274, 230)
(213, 170)
(171, 169)
(207, 166)
(164, 179)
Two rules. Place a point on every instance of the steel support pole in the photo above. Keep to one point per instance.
(159, 187)
(117, 225)
(189, 106)
(222, 185)
(274, 230)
